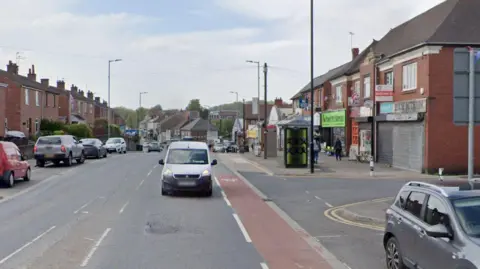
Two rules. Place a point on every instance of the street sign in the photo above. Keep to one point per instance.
(461, 69)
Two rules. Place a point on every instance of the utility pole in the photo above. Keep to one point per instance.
(351, 39)
(312, 157)
(109, 105)
(139, 107)
(471, 115)
(258, 85)
(265, 71)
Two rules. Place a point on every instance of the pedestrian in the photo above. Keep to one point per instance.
(316, 150)
(338, 149)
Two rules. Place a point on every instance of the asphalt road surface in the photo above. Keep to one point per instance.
(109, 213)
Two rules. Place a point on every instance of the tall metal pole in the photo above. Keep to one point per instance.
(312, 157)
(258, 88)
(265, 104)
(108, 105)
(471, 115)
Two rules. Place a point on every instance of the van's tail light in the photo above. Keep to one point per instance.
(63, 149)
(34, 149)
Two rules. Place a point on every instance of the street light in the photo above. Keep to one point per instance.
(258, 85)
(312, 170)
(139, 107)
(109, 105)
(236, 93)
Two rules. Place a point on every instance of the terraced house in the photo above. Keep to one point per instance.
(394, 100)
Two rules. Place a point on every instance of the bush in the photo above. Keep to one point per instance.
(115, 131)
(79, 130)
(48, 127)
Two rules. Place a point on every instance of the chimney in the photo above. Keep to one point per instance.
(74, 88)
(97, 99)
(105, 103)
(61, 84)
(355, 52)
(278, 101)
(45, 82)
(81, 92)
(90, 95)
(31, 74)
(12, 68)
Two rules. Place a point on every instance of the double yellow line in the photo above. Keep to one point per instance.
(332, 214)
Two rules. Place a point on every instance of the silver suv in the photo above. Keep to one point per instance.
(433, 226)
(58, 148)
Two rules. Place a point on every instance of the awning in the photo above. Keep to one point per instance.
(297, 121)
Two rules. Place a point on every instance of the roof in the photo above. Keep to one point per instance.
(450, 23)
(188, 144)
(170, 122)
(453, 189)
(24, 81)
(199, 125)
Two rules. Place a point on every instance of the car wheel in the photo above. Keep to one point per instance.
(164, 192)
(98, 155)
(40, 163)
(81, 159)
(68, 161)
(56, 163)
(105, 156)
(9, 179)
(209, 193)
(28, 175)
(393, 255)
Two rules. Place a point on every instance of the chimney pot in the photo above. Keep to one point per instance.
(90, 95)
(97, 99)
(61, 84)
(74, 88)
(45, 81)
(12, 68)
(355, 52)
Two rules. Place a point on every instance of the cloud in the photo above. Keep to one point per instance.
(174, 68)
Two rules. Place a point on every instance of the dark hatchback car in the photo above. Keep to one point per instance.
(434, 226)
(93, 148)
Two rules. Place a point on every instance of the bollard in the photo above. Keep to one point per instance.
(372, 167)
(440, 173)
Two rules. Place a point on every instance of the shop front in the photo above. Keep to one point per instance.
(401, 134)
(333, 127)
(363, 124)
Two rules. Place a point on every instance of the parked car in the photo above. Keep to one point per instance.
(58, 148)
(116, 144)
(232, 147)
(218, 148)
(434, 226)
(155, 146)
(13, 165)
(94, 148)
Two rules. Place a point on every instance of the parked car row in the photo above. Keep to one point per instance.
(227, 146)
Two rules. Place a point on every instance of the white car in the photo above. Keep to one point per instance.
(116, 144)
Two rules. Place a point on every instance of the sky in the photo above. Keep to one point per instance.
(189, 49)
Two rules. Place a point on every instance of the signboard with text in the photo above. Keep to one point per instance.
(384, 93)
(333, 118)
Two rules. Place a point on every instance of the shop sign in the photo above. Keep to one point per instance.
(316, 119)
(333, 118)
(384, 93)
(386, 108)
(365, 111)
(411, 106)
(402, 117)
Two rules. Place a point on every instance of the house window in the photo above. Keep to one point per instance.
(338, 93)
(389, 78)
(84, 107)
(26, 97)
(54, 100)
(357, 86)
(37, 127)
(366, 87)
(46, 99)
(91, 108)
(37, 98)
(409, 77)
(79, 105)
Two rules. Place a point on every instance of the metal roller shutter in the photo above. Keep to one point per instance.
(408, 145)
(385, 142)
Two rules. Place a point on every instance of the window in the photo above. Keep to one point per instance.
(389, 78)
(6, 124)
(468, 213)
(357, 86)
(26, 97)
(37, 98)
(46, 99)
(366, 87)
(79, 105)
(402, 198)
(91, 109)
(415, 203)
(84, 107)
(188, 156)
(409, 77)
(436, 212)
(37, 125)
(54, 100)
(338, 93)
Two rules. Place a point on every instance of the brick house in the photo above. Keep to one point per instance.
(223, 114)
(197, 129)
(78, 109)
(3, 107)
(29, 101)
(100, 109)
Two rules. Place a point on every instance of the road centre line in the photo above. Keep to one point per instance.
(225, 198)
(326, 203)
(155, 166)
(26, 245)
(95, 247)
(140, 184)
(83, 206)
(149, 173)
(263, 265)
(242, 228)
(123, 207)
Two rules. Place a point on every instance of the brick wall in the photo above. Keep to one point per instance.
(3, 105)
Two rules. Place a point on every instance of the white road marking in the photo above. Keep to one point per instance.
(346, 265)
(26, 245)
(216, 181)
(84, 212)
(92, 251)
(268, 172)
(83, 206)
(299, 265)
(307, 192)
(155, 166)
(225, 198)
(326, 203)
(242, 228)
(263, 265)
(123, 207)
(140, 184)
(149, 173)
(330, 236)
(90, 239)
(329, 205)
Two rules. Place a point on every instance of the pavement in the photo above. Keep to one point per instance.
(109, 213)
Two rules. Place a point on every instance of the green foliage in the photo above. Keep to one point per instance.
(238, 106)
(79, 130)
(59, 132)
(131, 116)
(48, 127)
(224, 126)
(115, 130)
(194, 105)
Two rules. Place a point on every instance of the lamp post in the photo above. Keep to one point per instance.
(258, 86)
(139, 107)
(236, 93)
(109, 105)
(312, 170)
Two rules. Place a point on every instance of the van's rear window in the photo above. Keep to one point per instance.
(49, 141)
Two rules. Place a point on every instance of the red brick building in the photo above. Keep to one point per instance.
(3, 107)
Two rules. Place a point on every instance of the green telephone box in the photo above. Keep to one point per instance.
(296, 147)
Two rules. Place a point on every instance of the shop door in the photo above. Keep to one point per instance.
(385, 142)
(408, 145)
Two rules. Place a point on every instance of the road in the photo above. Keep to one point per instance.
(109, 213)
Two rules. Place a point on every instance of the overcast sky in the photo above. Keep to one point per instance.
(184, 49)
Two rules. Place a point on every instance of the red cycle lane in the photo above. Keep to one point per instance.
(279, 244)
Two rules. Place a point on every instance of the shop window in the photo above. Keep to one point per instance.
(354, 133)
(338, 94)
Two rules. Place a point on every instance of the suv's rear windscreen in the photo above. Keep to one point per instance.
(49, 141)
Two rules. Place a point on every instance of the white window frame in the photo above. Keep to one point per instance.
(79, 104)
(357, 86)
(37, 125)
(85, 108)
(91, 109)
(409, 77)
(37, 98)
(386, 78)
(367, 87)
(338, 94)
(27, 99)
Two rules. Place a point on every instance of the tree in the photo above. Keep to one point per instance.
(204, 113)
(155, 110)
(224, 126)
(194, 105)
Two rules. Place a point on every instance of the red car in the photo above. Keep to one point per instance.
(12, 164)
